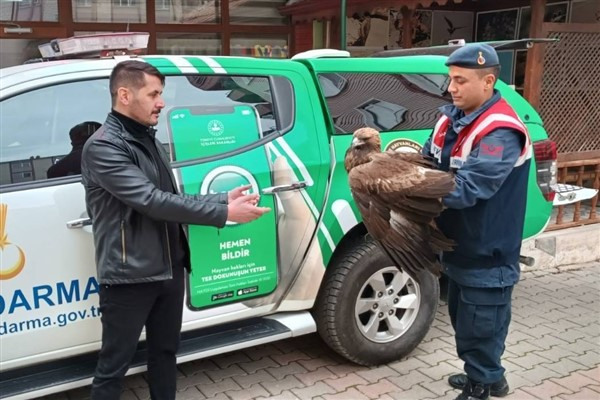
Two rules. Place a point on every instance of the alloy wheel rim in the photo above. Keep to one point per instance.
(387, 305)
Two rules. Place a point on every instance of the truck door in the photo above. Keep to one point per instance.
(234, 263)
(48, 289)
(241, 126)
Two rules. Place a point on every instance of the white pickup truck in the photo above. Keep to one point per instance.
(280, 125)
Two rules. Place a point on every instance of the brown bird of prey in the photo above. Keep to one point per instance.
(399, 195)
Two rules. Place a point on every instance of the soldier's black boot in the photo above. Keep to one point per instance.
(474, 391)
(497, 389)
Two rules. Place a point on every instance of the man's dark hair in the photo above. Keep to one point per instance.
(131, 74)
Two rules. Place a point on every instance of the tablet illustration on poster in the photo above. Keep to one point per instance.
(233, 263)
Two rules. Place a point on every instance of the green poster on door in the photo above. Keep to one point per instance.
(237, 262)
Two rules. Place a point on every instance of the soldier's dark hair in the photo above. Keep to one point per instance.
(495, 70)
(130, 74)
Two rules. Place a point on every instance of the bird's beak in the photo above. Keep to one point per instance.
(357, 142)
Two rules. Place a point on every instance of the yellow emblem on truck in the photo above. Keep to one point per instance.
(8, 272)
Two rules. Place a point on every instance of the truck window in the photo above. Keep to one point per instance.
(36, 125)
(386, 102)
(218, 91)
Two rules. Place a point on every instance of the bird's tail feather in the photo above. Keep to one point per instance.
(439, 242)
(413, 257)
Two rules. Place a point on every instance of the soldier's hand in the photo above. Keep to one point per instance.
(244, 209)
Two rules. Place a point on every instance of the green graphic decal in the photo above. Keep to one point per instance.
(237, 262)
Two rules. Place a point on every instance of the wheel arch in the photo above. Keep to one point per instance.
(353, 236)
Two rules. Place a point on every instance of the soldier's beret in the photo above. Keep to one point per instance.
(474, 55)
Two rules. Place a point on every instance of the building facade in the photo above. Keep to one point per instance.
(203, 27)
(561, 80)
(371, 27)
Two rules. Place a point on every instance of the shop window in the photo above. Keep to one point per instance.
(163, 5)
(129, 11)
(386, 102)
(29, 10)
(125, 3)
(256, 12)
(188, 43)
(259, 46)
(188, 11)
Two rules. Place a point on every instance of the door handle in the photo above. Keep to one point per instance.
(79, 223)
(284, 188)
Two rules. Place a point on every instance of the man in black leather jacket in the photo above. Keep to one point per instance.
(141, 248)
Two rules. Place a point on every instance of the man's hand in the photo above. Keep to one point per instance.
(237, 193)
(243, 209)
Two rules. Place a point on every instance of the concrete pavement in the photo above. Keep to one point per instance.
(553, 353)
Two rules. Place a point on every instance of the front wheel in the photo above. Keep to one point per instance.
(370, 311)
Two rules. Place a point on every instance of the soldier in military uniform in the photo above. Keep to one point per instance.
(482, 140)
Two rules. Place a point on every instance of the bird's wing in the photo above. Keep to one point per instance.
(398, 196)
(450, 24)
(408, 182)
(411, 246)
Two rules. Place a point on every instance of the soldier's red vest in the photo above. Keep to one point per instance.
(499, 115)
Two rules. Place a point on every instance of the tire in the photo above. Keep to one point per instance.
(399, 312)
